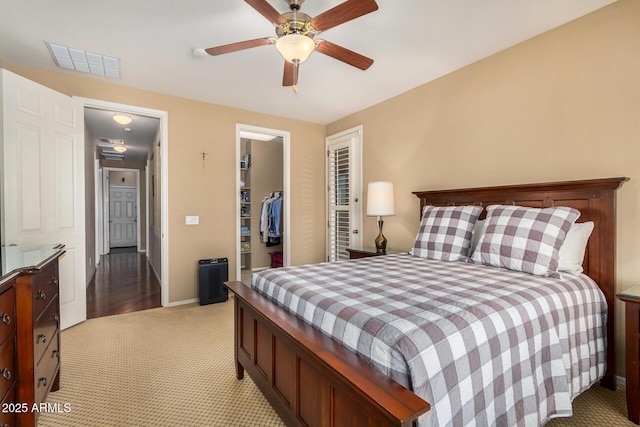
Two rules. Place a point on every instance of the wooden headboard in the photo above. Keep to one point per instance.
(596, 201)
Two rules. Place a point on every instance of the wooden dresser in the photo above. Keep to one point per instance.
(8, 351)
(29, 336)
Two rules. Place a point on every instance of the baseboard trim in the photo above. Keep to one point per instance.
(153, 270)
(183, 302)
(621, 381)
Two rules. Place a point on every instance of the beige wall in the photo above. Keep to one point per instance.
(126, 178)
(154, 249)
(210, 191)
(90, 207)
(562, 106)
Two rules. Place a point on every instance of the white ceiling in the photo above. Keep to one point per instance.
(138, 139)
(411, 41)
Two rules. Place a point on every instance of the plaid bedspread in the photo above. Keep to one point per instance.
(484, 346)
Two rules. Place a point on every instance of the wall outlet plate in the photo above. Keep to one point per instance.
(192, 220)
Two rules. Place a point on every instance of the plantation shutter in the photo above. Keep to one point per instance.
(343, 185)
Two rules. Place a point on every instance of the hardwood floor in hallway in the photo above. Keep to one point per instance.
(124, 282)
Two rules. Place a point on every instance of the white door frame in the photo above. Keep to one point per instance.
(163, 116)
(107, 201)
(98, 209)
(286, 156)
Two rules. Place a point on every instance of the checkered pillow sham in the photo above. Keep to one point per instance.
(524, 239)
(445, 232)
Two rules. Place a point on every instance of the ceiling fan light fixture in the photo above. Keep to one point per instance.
(122, 119)
(120, 148)
(295, 48)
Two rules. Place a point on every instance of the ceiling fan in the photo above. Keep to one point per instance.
(295, 33)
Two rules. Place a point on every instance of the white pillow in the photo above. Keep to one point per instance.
(478, 230)
(572, 249)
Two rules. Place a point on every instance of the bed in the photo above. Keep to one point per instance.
(312, 379)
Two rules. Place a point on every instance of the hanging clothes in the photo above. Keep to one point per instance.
(271, 219)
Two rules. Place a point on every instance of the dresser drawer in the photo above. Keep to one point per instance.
(7, 313)
(45, 288)
(45, 328)
(8, 417)
(7, 364)
(46, 370)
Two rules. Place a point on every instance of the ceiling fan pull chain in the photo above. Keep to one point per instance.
(294, 87)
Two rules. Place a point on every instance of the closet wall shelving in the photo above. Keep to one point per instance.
(245, 205)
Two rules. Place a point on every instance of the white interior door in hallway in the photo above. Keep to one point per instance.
(123, 217)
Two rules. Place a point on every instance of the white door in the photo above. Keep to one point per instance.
(123, 230)
(43, 147)
(344, 187)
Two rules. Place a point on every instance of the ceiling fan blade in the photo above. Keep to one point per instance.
(267, 11)
(350, 9)
(345, 55)
(233, 47)
(290, 75)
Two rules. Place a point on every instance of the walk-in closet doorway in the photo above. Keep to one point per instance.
(263, 219)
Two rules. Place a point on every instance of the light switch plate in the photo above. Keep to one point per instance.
(192, 220)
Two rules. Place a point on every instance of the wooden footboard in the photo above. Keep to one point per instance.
(310, 379)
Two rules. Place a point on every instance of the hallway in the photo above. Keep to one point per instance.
(123, 283)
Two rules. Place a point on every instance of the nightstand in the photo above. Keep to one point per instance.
(631, 298)
(367, 251)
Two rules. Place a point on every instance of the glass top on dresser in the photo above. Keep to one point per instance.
(20, 257)
(632, 292)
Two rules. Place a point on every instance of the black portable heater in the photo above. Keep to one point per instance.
(212, 274)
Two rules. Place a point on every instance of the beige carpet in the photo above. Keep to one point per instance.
(160, 367)
(174, 367)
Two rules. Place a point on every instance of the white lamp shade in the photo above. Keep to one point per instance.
(380, 201)
(295, 47)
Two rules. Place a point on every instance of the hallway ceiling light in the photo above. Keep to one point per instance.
(122, 119)
(120, 148)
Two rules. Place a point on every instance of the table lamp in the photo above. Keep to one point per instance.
(380, 203)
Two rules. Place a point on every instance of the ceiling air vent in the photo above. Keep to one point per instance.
(71, 58)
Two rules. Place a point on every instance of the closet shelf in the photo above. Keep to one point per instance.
(244, 244)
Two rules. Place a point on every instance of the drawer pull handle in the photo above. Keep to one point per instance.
(55, 317)
(42, 294)
(43, 381)
(55, 353)
(6, 319)
(6, 373)
(54, 281)
(42, 338)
